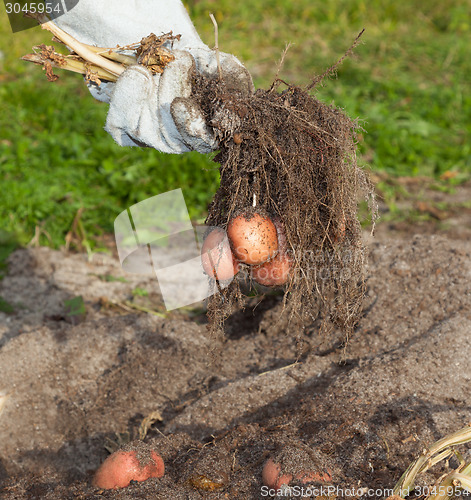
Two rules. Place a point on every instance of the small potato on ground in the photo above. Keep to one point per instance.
(273, 477)
(122, 467)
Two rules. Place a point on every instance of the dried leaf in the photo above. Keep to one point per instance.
(91, 76)
(148, 422)
(51, 77)
(204, 483)
(153, 54)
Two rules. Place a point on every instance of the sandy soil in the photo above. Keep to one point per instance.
(74, 387)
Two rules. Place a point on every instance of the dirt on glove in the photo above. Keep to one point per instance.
(287, 155)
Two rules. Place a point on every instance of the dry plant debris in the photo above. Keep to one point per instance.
(150, 52)
(98, 63)
(449, 485)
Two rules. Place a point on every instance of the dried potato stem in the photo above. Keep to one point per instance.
(216, 48)
(78, 47)
(112, 55)
(74, 65)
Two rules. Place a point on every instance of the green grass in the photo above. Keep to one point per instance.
(56, 158)
(5, 307)
(140, 292)
(408, 84)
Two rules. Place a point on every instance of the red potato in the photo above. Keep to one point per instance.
(122, 467)
(281, 234)
(253, 238)
(311, 476)
(217, 258)
(276, 271)
(272, 477)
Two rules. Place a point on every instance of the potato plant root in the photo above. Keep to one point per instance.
(292, 157)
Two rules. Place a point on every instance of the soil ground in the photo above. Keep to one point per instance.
(74, 387)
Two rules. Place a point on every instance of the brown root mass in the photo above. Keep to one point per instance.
(288, 155)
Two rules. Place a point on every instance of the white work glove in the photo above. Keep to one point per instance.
(145, 109)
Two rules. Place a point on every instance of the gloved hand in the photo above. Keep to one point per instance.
(145, 109)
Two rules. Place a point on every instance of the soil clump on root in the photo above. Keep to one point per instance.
(289, 156)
